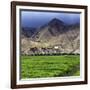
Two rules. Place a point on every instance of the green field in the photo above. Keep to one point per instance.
(50, 66)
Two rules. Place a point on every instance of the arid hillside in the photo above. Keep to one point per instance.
(53, 37)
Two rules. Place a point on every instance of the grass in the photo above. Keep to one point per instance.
(50, 66)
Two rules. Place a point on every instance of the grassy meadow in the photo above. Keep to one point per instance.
(50, 66)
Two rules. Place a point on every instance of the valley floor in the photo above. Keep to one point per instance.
(50, 66)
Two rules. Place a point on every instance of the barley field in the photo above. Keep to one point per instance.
(50, 66)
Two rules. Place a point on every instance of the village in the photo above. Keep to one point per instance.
(56, 50)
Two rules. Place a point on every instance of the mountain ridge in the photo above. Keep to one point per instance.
(54, 33)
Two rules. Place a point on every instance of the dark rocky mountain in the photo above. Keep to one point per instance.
(54, 28)
(56, 22)
(53, 37)
(28, 31)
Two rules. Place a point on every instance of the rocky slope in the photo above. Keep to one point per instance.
(53, 37)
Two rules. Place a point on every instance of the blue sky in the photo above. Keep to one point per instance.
(37, 18)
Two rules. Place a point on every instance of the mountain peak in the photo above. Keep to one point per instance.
(56, 21)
